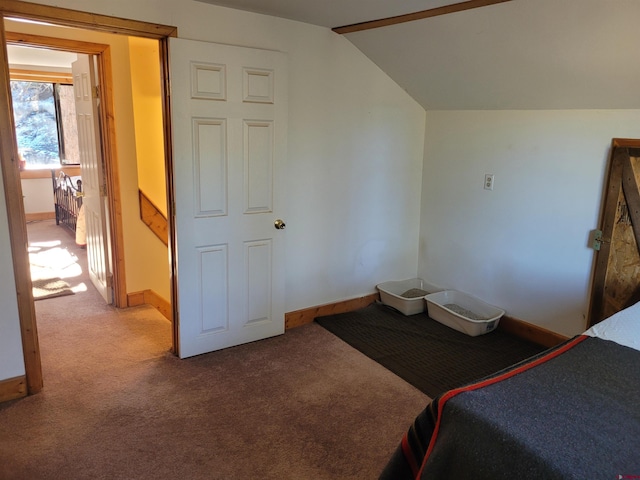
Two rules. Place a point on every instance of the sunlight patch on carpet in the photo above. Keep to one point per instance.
(54, 263)
(51, 266)
(55, 258)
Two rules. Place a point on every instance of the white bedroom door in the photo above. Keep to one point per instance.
(95, 197)
(229, 121)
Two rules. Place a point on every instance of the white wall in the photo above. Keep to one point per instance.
(355, 149)
(355, 163)
(147, 113)
(11, 358)
(524, 245)
(353, 174)
(37, 195)
(354, 156)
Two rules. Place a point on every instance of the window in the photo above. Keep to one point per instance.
(44, 114)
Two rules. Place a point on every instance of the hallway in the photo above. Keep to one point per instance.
(81, 321)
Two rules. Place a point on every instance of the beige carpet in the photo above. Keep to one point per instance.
(118, 405)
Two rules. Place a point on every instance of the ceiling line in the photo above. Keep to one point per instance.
(409, 17)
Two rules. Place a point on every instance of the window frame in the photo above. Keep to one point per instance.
(55, 78)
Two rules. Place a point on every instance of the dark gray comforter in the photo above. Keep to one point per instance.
(573, 412)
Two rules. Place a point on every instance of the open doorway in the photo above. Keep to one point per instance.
(115, 180)
(99, 153)
(54, 168)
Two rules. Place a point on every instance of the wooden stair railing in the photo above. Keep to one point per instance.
(153, 218)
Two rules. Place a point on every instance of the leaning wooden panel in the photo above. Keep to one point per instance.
(616, 279)
(623, 266)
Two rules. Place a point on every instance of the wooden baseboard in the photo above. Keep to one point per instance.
(528, 331)
(162, 305)
(13, 388)
(519, 328)
(291, 319)
(307, 315)
(149, 297)
(34, 217)
(135, 299)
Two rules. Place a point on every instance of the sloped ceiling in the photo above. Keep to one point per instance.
(332, 13)
(521, 54)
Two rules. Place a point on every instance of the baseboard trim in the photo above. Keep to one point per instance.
(13, 388)
(291, 319)
(149, 297)
(296, 318)
(307, 315)
(34, 217)
(528, 331)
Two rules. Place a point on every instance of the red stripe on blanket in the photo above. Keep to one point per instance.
(408, 454)
(490, 381)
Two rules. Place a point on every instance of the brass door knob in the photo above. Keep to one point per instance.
(279, 224)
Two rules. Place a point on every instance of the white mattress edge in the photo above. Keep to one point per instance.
(622, 328)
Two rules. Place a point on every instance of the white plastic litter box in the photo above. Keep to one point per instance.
(406, 296)
(463, 312)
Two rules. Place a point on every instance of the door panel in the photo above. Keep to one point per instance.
(229, 120)
(258, 166)
(94, 200)
(210, 174)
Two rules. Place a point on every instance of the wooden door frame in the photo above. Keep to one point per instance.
(11, 173)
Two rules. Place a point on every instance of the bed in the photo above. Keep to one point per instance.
(570, 412)
(67, 195)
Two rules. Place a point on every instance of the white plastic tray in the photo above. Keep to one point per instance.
(490, 315)
(391, 295)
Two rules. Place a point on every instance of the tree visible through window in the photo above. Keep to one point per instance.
(42, 113)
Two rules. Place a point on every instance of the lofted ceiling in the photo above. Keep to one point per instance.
(332, 13)
(520, 54)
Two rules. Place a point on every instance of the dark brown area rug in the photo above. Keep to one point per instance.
(430, 356)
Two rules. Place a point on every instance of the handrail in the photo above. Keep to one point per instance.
(153, 218)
